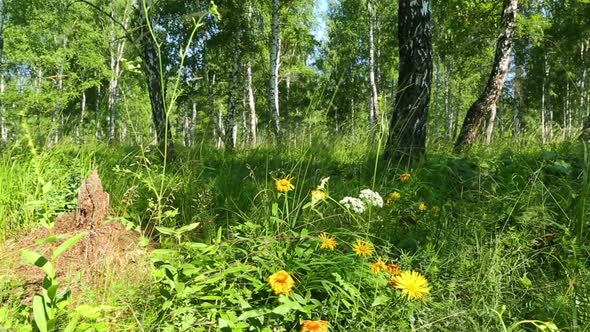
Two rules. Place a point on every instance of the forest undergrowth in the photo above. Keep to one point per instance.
(312, 238)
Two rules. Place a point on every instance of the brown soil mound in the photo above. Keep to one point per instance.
(108, 249)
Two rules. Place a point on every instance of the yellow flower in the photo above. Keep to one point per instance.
(405, 177)
(378, 266)
(362, 248)
(412, 284)
(281, 282)
(314, 326)
(394, 269)
(422, 207)
(284, 185)
(394, 196)
(328, 242)
(318, 195)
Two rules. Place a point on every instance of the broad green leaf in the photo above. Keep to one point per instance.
(39, 313)
(254, 313)
(187, 228)
(166, 230)
(36, 259)
(68, 244)
(379, 300)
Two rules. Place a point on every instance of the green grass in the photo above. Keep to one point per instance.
(483, 243)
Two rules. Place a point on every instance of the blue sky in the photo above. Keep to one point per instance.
(320, 10)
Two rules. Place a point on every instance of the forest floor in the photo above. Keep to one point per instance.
(262, 240)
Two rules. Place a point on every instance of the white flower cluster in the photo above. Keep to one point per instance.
(354, 204)
(371, 197)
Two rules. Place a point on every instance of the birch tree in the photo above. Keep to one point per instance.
(407, 130)
(486, 103)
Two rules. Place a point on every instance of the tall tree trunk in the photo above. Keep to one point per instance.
(231, 133)
(546, 112)
(449, 133)
(3, 124)
(155, 82)
(251, 105)
(407, 133)
(80, 127)
(491, 123)
(215, 114)
(567, 116)
(482, 107)
(97, 127)
(116, 49)
(583, 53)
(518, 73)
(274, 70)
(193, 125)
(374, 104)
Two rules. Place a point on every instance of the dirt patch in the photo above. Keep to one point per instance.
(107, 250)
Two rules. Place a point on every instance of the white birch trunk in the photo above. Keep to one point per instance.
(374, 103)
(82, 115)
(252, 106)
(491, 123)
(117, 50)
(274, 69)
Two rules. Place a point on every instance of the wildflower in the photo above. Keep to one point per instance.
(392, 197)
(314, 326)
(378, 266)
(323, 183)
(412, 284)
(422, 207)
(284, 185)
(281, 282)
(328, 242)
(405, 177)
(362, 248)
(354, 204)
(394, 269)
(318, 195)
(371, 197)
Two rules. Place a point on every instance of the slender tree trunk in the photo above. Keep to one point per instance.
(216, 115)
(519, 99)
(3, 124)
(274, 70)
(80, 126)
(252, 106)
(231, 134)
(478, 112)
(116, 49)
(155, 82)
(491, 123)
(407, 133)
(583, 53)
(374, 104)
(547, 103)
(450, 133)
(567, 116)
(438, 115)
(97, 130)
(193, 126)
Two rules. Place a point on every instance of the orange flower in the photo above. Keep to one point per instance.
(314, 326)
(394, 269)
(281, 282)
(405, 177)
(378, 266)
